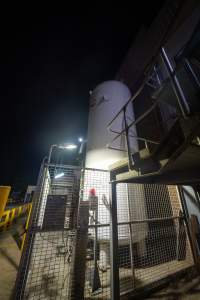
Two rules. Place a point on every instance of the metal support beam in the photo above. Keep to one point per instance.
(114, 274)
(126, 128)
(189, 67)
(130, 236)
(186, 218)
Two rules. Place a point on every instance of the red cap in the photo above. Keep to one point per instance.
(92, 192)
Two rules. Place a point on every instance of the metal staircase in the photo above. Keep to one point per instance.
(172, 86)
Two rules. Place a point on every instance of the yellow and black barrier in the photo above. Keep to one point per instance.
(10, 215)
(4, 193)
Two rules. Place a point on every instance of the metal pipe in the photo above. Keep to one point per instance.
(114, 272)
(190, 69)
(149, 220)
(125, 105)
(127, 141)
(136, 137)
(50, 153)
(146, 145)
(197, 194)
(137, 221)
(96, 284)
(157, 76)
(41, 192)
(131, 236)
(177, 239)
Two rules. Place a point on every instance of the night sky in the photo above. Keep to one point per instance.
(48, 64)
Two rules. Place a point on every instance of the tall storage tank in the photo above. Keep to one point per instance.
(106, 100)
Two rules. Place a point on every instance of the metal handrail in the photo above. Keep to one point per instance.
(148, 67)
(137, 137)
(129, 101)
(181, 100)
(123, 109)
(138, 221)
(11, 214)
(123, 131)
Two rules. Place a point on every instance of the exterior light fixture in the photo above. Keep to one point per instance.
(69, 146)
(62, 146)
(80, 139)
(59, 175)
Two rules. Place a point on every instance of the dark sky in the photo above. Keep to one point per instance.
(48, 65)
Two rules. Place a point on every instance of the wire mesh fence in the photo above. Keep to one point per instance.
(67, 254)
(96, 193)
(49, 268)
(153, 244)
(152, 237)
(46, 263)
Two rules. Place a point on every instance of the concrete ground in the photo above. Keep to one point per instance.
(9, 261)
(187, 288)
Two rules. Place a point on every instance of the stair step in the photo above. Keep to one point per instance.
(119, 164)
(163, 162)
(171, 142)
(127, 175)
(146, 162)
(144, 153)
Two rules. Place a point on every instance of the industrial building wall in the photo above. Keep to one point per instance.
(149, 40)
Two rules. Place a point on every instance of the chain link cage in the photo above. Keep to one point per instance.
(152, 238)
(153, 242)
(67, 254)
(45, 266)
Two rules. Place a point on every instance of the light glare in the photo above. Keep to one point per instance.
(59, 175)
(70, 146)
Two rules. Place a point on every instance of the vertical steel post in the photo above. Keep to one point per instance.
(77, 274)
(192, 72)
(50, 153)
(127, 140)
(186, 219)
(131, 235)
(114, 272)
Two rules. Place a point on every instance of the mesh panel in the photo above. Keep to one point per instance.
(64, 261)
(46, 264)
(152, 241)
(97, 277)
(49, 269)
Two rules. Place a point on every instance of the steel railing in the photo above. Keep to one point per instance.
(181, 103)
(10, 216)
